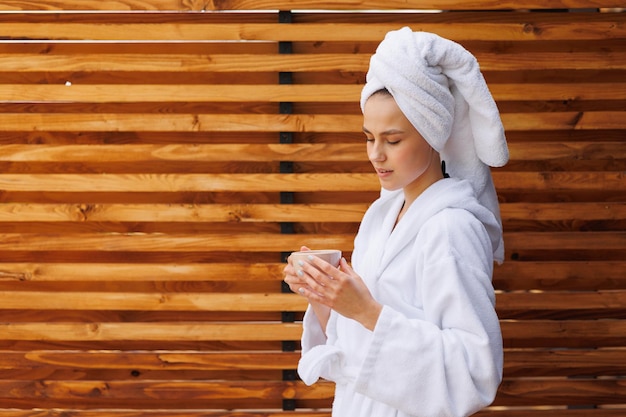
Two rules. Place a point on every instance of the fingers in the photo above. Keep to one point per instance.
(312, 279)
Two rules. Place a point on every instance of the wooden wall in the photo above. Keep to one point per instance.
(158, 159)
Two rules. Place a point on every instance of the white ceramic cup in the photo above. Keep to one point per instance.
(332, 256)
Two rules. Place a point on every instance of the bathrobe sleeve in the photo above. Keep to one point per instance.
(312, 332)
(450, 362)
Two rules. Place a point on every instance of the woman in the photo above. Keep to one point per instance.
(410, 329)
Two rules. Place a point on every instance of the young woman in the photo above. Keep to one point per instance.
(410, 328)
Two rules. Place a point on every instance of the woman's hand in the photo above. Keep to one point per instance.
(340, 289)
(296, 282)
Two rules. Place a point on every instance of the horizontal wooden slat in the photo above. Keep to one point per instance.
(564, 333)
(163, 183)
(189, 182)
(564, 362)
(554, 301)
(546, 411)
(561, 392)
(60, 412)
(190, 152)
(148, 242)
(581, 276)
(565, 275)
(241, 213)
(512, 392)
(563, 211)
(151, 390)
(528, 412)
(107, 122)
(151, 302)
(518, 362)
(107, 93)
(97, 272)
(201, 5)
(182, 331)
(566, 240)
(27, 63)
(188, 301)
(559, 181)
(149, 360)
(175, 243)
(530, 30)
(277, 152)
(232, 213)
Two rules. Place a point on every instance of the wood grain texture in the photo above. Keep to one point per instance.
(159, 159)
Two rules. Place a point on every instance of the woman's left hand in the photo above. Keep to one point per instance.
(341, 289)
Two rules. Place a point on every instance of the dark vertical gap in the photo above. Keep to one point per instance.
(286, 167)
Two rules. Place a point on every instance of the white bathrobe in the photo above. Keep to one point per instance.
(436, 349)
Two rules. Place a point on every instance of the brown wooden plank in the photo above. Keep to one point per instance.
(143, 242)
(60, 412)
(189, 182)
(97, 272)
(108, 122)
(561, 300)
(125, 93)
(490, 412)
(111, 29)
(563, 211)
(121, 5)
(564, 362)
(559, 181)
(149, 242)
(564, 333)
(163, 183)
(527, 392)
(406, 4)
(241, 213)
(566, 240)
(276, 152)
(305, 31)
(225, 5)
(179, 213)
(240, 152)
(546, 411)
(16, 212)
(187, 301)
(594, 60)
(95, 394)
(154, 332)
(148, 360)
(565, 275)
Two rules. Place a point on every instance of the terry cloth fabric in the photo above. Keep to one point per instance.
(436, 349)
(439, 87)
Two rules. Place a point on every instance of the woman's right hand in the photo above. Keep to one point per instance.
(291, 276)
(296, 282)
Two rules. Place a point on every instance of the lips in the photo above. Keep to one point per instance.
(383, 173)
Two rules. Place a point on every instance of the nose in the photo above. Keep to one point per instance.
(375, 151)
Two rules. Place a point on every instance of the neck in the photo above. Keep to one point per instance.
(429, 177)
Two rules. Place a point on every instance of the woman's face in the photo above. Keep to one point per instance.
(399, 154)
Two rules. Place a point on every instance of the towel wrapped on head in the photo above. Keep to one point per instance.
(439, 87)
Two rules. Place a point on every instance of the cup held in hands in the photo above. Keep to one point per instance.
(332, 256)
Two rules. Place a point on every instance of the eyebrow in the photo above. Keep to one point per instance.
(386, 132)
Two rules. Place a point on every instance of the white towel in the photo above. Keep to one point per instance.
(439, 87)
